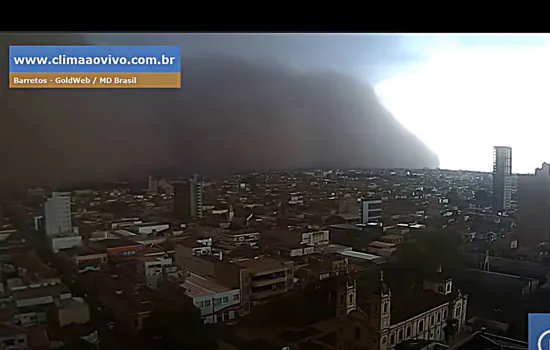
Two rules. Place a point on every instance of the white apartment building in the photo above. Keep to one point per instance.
(321, 237)
(57, 214)
(217, 303)
(65, 241)
(155, 270)
(239, 238)
(371, 210)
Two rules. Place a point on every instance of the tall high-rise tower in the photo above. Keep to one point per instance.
(57, 214)
(502, 178)
(152, 187)
(188, 199)
(533, 217)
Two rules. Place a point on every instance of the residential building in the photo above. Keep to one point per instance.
(533, 217)
(150, 228)
(13, 338)
(315, 238)
(70, 311)
(57, 214)
(156, 270)
(216, 302)
(190, 247)
(83, 259)
(64, 241)
(502, 178)
(128, 303)
(188, 199)
(188, 258)
(371, 210)
(152, 187)
(381, 248)
(239, 238)
(40, 294)
(258, 279)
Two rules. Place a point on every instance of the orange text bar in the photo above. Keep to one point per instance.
(95, 80)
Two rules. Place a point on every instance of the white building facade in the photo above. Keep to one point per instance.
(371, 210)
(57, 214)
(314, 238)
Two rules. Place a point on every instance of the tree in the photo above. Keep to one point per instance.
(171, 327)
(450, 329)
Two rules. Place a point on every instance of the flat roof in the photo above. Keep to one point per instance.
(260, 263)
(51, 290)
(392, 237)
(359, 255)
(80, 251)
(382, 244)
(197, 286)
(239, 232)
(147, 224)
(117, 242)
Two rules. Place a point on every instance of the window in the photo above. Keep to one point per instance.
(408, 331)
(351, 298)
(384, 340)
(231, 315)
(400, 335)
(438, 317)
(225, 300)
(235, 297)
(420, 325)
(200, 304)
(357, 333)
(217, 301)
(444, 314)
(385, 307)
(457, 312)
(9, 342)
(392, 339)
(440, 289)
(432, 320)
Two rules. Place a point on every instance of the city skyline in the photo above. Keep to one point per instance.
(290, 97)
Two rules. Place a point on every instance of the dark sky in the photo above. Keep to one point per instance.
(247, 102)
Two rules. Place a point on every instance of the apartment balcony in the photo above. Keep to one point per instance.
(267, 293)
(265, 282)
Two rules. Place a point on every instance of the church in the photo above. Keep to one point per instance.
(435, 311)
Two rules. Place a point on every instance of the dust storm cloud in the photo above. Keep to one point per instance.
(230, 115)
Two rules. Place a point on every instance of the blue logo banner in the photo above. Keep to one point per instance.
(93, 59)
(539, 332)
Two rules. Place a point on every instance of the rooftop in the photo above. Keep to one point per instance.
(359, 255)
(198, 286)
(261, 263)
(80, 251)
(485, 341)
(38, 292)
(116, 243)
